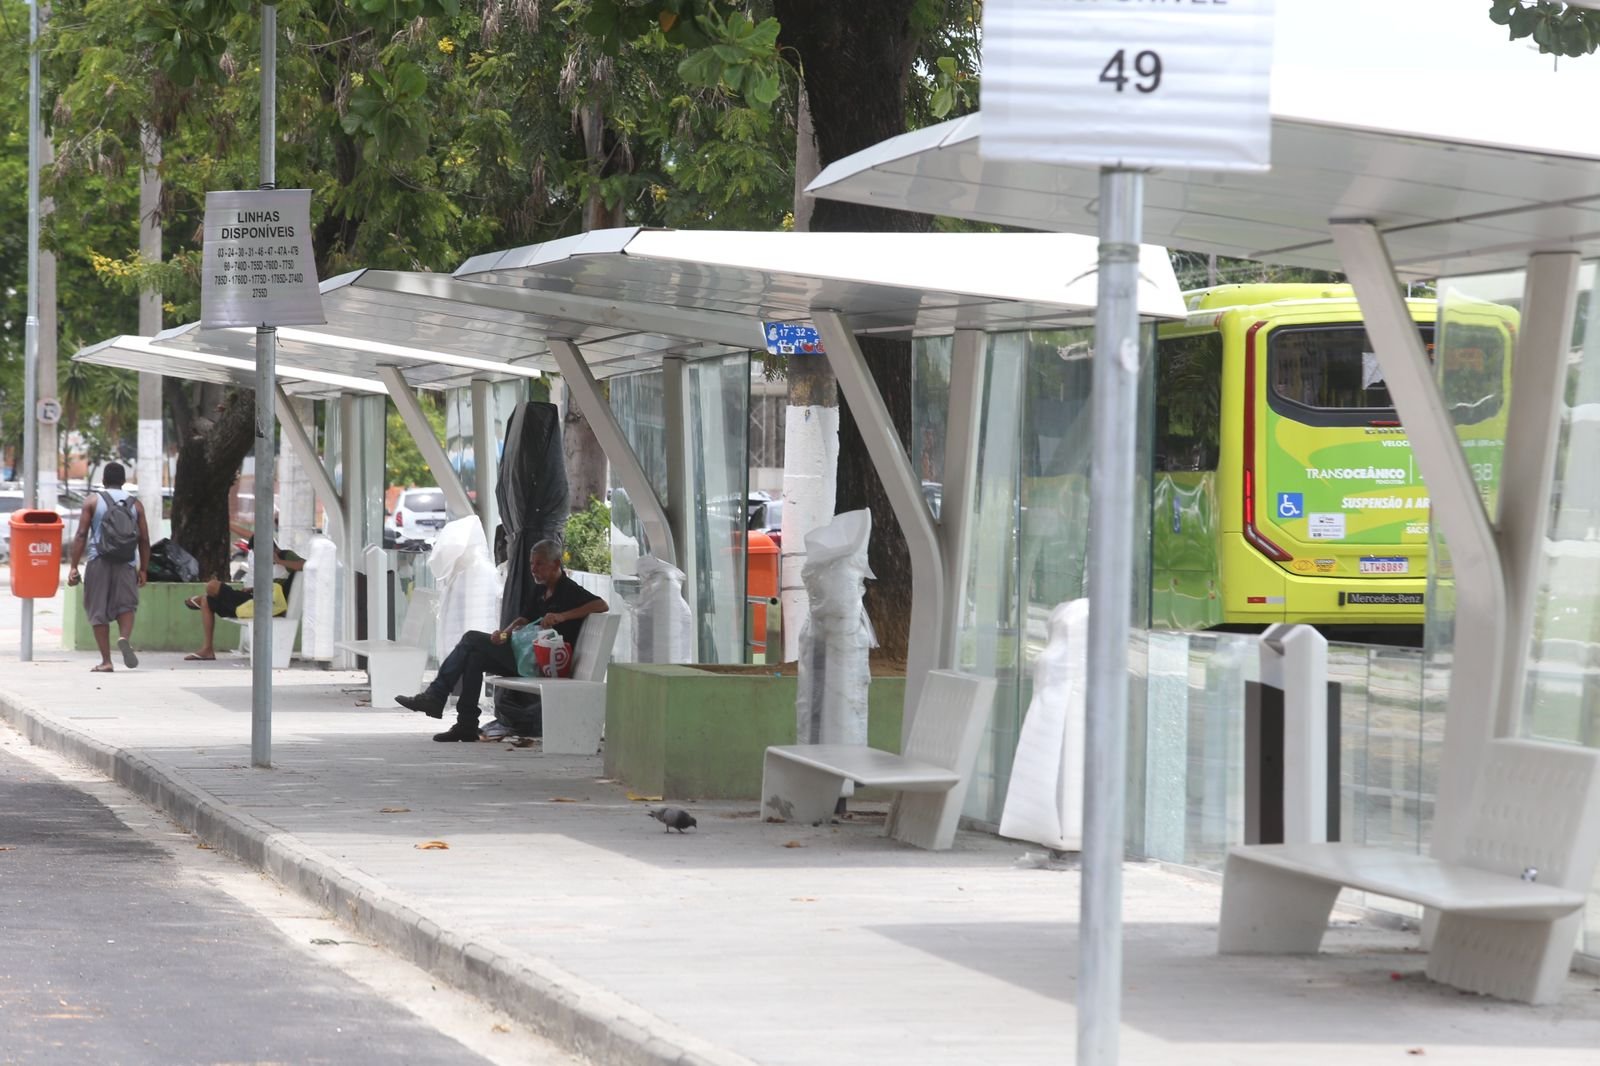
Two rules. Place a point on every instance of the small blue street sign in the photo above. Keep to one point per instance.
(791, 338)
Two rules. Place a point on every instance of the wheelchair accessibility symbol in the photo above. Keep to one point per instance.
(1291, 505)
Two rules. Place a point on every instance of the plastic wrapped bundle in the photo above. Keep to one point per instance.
(1044, 802)
(663, 624)
(831, 705)
(319, 616)
(532, 495)
(469, 586)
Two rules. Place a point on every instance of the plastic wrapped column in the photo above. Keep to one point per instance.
(1044, 802)
(468, 584)
(663, 624)
(831, 705)
(319, 616)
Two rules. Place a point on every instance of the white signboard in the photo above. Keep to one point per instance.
(1134, 83)
(258, 268)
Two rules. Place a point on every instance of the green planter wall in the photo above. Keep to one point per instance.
(162, 624)
(682, 733)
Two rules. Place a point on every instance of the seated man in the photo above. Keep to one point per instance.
(554, 601)
(232, 602)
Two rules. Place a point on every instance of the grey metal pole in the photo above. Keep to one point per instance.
(1111, 503)
(266, 431)
(30, 358)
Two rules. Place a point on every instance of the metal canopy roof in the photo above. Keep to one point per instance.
(630, 297)
(1444, 206)
(154, 356)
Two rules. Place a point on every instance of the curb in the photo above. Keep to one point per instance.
(581, 1017)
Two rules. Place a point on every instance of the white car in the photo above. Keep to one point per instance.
(419, 514)
(10, 500)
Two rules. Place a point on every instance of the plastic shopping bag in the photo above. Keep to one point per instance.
(541, 653)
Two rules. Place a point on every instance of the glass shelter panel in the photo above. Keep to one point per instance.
(1028, 524)
(717, 395)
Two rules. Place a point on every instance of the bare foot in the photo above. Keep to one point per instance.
(103, 668)
(199, 657)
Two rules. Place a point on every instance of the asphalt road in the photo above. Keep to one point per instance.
(122, 942)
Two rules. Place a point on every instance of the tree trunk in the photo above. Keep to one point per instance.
(209, 455)
(856, 59)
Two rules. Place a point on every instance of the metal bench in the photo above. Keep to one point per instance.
(574, 708)
(803, 782)
(1508, 912)
(396, 666)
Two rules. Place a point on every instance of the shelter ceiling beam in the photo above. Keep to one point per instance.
(585, 392)
(929, 614)
(1480, 586)
(405, 401)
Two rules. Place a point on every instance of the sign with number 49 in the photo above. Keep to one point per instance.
(1181, 83)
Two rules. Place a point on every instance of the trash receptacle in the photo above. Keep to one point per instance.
(761, 583)
(35, 554)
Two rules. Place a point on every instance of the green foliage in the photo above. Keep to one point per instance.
(406, 466)
(1558, 29)
(588, 538)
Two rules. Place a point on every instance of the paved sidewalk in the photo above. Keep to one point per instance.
(560, 901)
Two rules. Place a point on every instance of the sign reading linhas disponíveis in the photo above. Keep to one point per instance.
(1132, 83)
(258, 268)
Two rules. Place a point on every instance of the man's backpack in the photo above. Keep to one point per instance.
(118, 541)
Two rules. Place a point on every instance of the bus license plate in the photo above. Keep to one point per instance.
(1385, 564)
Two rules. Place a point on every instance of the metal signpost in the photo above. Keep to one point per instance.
(258, 269)
(1125, 88)
(30, 350)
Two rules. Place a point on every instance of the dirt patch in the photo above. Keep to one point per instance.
(880, 668)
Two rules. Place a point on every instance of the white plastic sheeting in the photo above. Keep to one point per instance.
(319, 618)
(663, 623)
(831, 705)
(468, 584)
(1044, 803)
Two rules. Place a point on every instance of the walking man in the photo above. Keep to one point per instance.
(554, 601)
(113, 531)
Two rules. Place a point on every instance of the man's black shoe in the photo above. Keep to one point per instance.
(456, 733)
(424, 701)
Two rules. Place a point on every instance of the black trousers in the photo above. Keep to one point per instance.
(473, 656)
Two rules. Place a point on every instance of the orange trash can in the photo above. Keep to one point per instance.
(35, 554)
(761, 579)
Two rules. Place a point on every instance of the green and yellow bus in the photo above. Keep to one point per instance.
(1284, 488)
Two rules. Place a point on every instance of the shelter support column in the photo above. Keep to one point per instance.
(405, 401)
(321, 483)
(1480, 648)
(930, 615)
(483, 458)
(585, 392)
(675, 412)
(1527, 469)
(964, 420)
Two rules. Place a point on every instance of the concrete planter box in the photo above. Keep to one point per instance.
(683, 733)
(163, 623)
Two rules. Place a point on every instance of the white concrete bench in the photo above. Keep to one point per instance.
(285, 626)
(574, 708)
(394, 667)
(1508, 913)
(802, 782)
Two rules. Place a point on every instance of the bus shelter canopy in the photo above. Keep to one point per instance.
(628, 298)
(1444, 206)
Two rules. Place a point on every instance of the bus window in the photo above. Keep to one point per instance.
(1473, 365)
(1326, 369)
(1188, 401)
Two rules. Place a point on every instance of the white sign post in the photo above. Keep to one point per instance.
(1125, 85)
(257, 268)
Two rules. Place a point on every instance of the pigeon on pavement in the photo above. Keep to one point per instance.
(673, 818)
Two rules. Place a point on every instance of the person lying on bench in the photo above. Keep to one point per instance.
(230, 601)
(554, 601)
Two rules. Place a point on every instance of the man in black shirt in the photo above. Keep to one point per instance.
(555, 601)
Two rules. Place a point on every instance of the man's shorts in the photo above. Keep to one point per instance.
(232, 602)
(109, 590)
